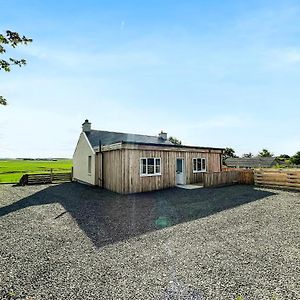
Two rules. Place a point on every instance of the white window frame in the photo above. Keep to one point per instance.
(146, 174)
(89, 164)
(202, 159)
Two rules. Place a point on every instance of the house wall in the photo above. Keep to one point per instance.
(113, 170)
(134, 183)
(80, 161)
(121, 169)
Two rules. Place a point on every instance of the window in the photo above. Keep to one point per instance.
(199, 165)
(157, 165)
(89, 164)
(150, 166)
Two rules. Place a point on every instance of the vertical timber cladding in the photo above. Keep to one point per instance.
(132, 182)
(98, 158)
(113, 168)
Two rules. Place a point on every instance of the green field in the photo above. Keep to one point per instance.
(12, 170)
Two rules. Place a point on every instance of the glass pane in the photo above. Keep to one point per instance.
(150, 165)
(179, 165)
(89, 164)
(203, 164)
(144, 166)
(194, 164)
(157, 165)
(198, 164)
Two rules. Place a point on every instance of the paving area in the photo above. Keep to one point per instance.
(190, 186)
(71, 241)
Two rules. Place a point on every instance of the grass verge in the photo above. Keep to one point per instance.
(12, 170)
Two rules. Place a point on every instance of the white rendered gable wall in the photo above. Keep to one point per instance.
(80, 161)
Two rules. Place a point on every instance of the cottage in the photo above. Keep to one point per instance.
(250, 162)
(131, 163)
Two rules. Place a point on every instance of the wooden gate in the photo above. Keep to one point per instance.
(28, 179)
(289, 179)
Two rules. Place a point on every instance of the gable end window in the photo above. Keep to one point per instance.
(199, 165)
(150, 166)
(89, 164)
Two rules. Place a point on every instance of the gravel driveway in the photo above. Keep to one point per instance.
(71, 241)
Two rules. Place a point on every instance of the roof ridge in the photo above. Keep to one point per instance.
(259, 157)
(155, 136)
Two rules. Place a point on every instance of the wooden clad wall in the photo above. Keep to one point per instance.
(98, 168)
(134, 183)
(121, 169)
(113, 169)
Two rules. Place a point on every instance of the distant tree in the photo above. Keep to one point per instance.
(248, 155)
(174, 140)
(295, 159)
(12, 39)
(229, 152)
(265, 153)
(283, 156)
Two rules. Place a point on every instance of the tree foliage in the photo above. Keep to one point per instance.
(11, 39)
(283, 159)
(283, 156)
(295, 159)
(229, 152)
(248, 155)
(2, 100)
(174, 140)
(265, 153)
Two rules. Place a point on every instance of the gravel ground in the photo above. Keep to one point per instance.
(71, 241)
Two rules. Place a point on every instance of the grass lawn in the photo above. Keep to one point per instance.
(12, 170)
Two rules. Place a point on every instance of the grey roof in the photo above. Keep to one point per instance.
(108, 138)
(253, 162)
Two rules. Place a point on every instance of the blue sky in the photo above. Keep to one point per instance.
(212, 73)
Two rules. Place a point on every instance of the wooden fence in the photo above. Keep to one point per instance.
(28, 179)
(288, 178)
(228, 178)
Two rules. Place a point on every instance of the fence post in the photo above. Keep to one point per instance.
(51, 175)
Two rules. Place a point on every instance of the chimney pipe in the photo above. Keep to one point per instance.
(86, 126)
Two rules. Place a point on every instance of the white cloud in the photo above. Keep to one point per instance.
(86, 59)
(122, 27)
(222, 121)
(282, 58)
(290, 55)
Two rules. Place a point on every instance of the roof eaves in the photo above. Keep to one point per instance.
(172, 145)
